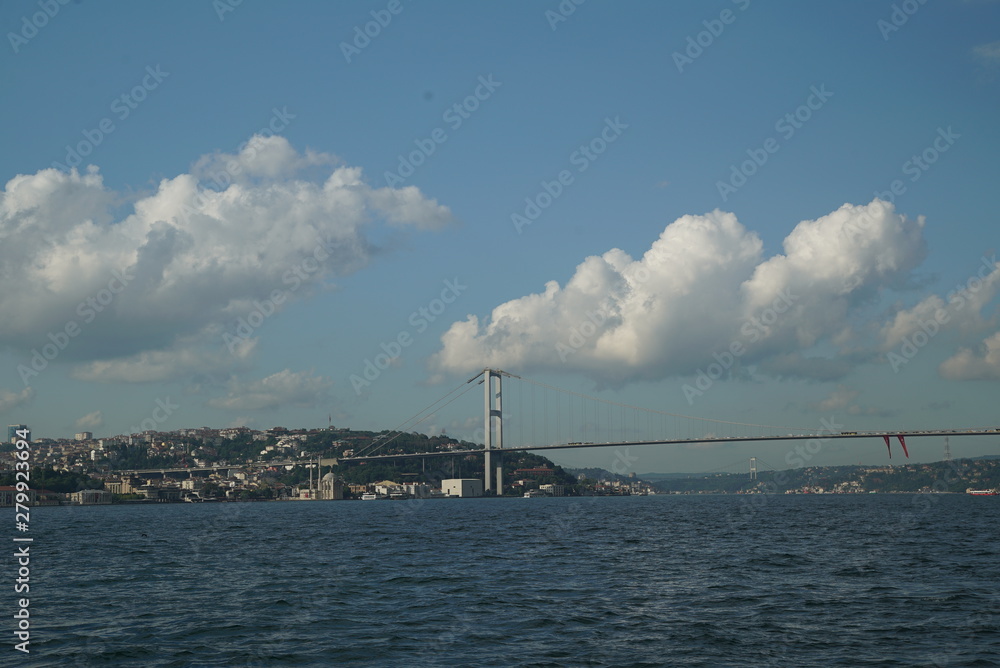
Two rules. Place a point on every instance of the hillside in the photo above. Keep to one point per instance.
(955, 476)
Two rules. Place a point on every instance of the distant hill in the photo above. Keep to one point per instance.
(954, 476)
(595, 473)
(656, 477)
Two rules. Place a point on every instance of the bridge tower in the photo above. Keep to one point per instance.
(753, 468)
(493, 432)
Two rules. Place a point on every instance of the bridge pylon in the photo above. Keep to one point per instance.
(493, 437)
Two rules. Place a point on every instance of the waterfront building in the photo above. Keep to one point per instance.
(462, 487)
(90, 497)
(8, 494)
(330, 488)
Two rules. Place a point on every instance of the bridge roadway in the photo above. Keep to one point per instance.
(220, 467)
(570, 446)
(732, 439)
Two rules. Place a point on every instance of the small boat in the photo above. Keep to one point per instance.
(534, 493)
(981, 492)
(370, 497)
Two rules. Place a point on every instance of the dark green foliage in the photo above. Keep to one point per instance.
(130, 457)
(55, 481)
(239, 449)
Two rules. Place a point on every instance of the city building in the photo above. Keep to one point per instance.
(90, 497)
(462, 487)
(553, 490)
(122, 486)
(387, 488)
(84, 436)
(417, 490)
(330, 488)
(12, 430)
(8, 496)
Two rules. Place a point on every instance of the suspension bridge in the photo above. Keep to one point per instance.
(542, 418)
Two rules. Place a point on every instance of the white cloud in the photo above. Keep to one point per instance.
(702, 287)
(980, 364)
(202, 355)
(194, 258)
(90, 421)
(285, 388)
(11, 400)
(960, 309)
(989, 53)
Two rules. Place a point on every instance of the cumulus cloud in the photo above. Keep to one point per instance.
(982, 363)
(285, 388)
(90, 421)
(200, 354)
(703, 287)
(11, 400)
(186, 260)
(960, 309)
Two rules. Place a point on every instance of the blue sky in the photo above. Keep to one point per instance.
(706, 150)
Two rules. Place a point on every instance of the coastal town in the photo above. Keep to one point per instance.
(280, 464)
(276, 464)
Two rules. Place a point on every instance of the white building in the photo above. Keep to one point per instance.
(462, 487)
(417, 490)
(91, 497)
(330, 488)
